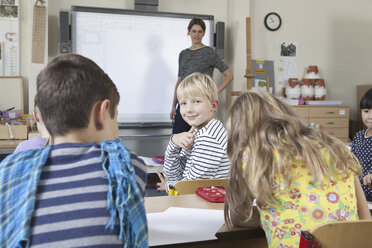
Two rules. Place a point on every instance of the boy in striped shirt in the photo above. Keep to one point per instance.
(85, 190)
(199, 153)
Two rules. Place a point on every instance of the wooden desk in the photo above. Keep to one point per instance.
(238, 237)
(162, 203)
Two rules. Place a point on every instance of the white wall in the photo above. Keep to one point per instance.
(335, 35)
(238, 11)
(29, 70)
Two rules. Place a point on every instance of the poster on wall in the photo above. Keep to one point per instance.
(288, 54)
(263, 71)
(9, 9)
(9, 37)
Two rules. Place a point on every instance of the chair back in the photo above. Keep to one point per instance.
(190, 186)
(344, 234)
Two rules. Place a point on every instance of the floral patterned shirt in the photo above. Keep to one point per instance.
(307, 205)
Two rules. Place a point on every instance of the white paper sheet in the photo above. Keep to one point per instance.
(288, 54)
(183, 225)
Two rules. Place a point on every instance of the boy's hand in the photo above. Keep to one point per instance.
(161, 186)
(184, 140)
(367, 180)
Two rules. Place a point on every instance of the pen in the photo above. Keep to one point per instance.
(10, 109)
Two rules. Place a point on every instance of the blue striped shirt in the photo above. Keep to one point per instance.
(73, 198)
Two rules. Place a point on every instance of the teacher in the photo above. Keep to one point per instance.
(197, 58)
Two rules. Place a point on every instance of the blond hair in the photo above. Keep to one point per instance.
(260, 124)
(198, 84)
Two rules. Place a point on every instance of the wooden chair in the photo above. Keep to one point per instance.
(190, 186)
(344, 234)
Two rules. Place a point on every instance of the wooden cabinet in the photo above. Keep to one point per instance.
(334, 119)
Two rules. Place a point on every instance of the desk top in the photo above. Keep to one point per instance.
(162, 203)
(237, 237)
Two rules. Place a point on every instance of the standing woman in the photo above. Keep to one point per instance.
(197, 58)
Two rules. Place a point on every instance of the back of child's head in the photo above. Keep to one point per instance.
(366, 101)
(263, 124)
(198, 84)
(67, 90)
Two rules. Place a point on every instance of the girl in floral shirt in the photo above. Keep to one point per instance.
(300, 177)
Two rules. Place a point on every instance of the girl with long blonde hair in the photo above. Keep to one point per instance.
(300, 177)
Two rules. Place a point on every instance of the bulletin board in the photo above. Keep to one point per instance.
(11, 94)
(9, 38)
(262, 68)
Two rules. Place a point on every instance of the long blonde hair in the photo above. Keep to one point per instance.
(260, 123)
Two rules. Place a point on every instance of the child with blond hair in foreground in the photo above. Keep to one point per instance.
(299, 176)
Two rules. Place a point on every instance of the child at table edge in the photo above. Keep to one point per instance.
(362, 144)
(199, 153)
(94, 185)
(299, 176)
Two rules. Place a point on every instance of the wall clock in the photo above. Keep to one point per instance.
(272, 21)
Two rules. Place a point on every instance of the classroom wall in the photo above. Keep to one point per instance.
(29, 70)
(334, 34)
(232, 12)
(218, 8)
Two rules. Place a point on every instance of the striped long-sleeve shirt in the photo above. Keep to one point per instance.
(206, 160)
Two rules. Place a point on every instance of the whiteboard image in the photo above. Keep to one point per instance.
(140, 55)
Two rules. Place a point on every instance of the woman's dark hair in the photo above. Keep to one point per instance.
(196, 21)
(366, 101)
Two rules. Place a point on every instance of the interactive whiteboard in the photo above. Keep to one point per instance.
(139, 51)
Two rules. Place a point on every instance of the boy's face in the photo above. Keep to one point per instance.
(367, 117)
(197, 110)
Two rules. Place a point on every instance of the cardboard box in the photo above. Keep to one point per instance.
(18, 131)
